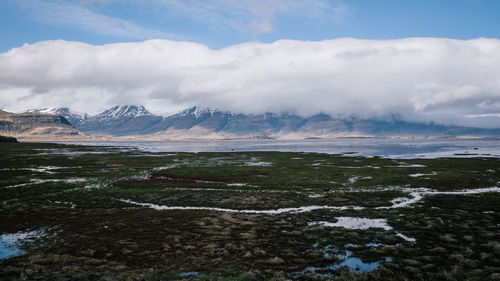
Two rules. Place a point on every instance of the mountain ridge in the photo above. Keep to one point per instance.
(37, 126)
(132, 120)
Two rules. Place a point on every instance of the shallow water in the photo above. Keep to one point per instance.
(10, 243)
(8, 248)
(392, 148)
(353, 264)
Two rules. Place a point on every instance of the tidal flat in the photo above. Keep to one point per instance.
(75, 212)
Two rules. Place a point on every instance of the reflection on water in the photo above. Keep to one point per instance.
(393, 148)
(346, 261)
(10, 243)
(8, 249)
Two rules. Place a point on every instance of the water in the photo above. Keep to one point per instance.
(189, 274)
(8, 249)
(347, 261)
(11, 243)
(392, 148)
(354, 264)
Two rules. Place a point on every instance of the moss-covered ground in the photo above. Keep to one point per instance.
(76, 196)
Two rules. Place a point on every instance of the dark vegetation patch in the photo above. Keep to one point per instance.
(7, 139)
(92, 235)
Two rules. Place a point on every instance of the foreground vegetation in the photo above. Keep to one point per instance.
(86, 209)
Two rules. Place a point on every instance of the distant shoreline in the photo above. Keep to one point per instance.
(253, 138)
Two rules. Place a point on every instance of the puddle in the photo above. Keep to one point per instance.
(11, 243)
(354, 264)
(346, 261)
(376, 245)
(189, 274)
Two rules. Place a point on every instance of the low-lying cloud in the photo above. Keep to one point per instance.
(430, 79)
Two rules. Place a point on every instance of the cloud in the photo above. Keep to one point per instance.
(431, 79)
(68, 14)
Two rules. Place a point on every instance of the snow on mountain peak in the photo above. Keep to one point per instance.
(197, 111)
(61, 111)
(124, 111)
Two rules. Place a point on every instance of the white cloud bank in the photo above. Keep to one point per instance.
(428, 79)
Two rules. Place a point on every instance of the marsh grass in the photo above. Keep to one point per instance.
(94, 235)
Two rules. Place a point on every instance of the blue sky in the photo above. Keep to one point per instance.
(221, 23)
(425, 60)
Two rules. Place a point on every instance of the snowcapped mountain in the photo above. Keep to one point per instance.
(124, 111)
(72, 116)
(37, 124)
(196, 111)
(130, 120)
(120, 121)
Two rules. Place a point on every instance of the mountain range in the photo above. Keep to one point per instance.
(31, 125)
(200, 122)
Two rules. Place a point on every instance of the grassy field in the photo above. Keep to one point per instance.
(112, 213)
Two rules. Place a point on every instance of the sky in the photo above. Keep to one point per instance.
(423, 60)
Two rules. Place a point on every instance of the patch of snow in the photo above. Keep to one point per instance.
(40, 181)
(352, 180)
(263, 164)
(165, 167)
(315, 195)
(197, 111)
(355, 223)
(418, 193)
(268, 212)
(422, 175)
(209, 182)
(71, 205)
(358, 167)
(401, 202)
(60, 111)
(466, 191)
(124, 111)
(406, 238)
(74, 180)
(95, 186)
(16, 185)
(236, 184)
(405, 165)
(43, 169)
